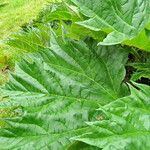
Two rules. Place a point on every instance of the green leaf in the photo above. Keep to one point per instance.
(142, 70)
(124, 18)
(59, 11)
(66, 14)
(57, 91)
(31, 40)
(37, 35)
(141, 41)
(123, 124)
(147, 32)
(113, 38)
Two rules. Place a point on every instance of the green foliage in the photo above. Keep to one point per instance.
(122, 20)
(31, 39)
(124, 123)
(57, 90)
(14, 14)
(55, 16)
(142, 70)
(70, 93)
(140, 66)
(141, 41)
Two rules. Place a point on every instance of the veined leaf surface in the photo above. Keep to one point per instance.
(122, 19)
(142, 70)
(124, 124)
(57, 90)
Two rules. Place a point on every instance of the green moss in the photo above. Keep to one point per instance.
(15, 13)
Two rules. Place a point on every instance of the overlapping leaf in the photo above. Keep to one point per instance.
(37, 35)
(122, 19)
(31, 40)
(123, 124)
(142, 70)
(57, 90)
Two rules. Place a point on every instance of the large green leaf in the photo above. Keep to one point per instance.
(122, 19)
(123, 124)
(57, 90)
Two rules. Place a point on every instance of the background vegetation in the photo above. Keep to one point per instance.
(14, 14)
(82, 78)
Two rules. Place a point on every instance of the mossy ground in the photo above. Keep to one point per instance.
(13, 15)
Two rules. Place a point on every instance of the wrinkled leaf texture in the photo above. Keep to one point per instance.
(37, 35)
(125, 123)
(142, 71)
(123, 20)
(57, 91)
